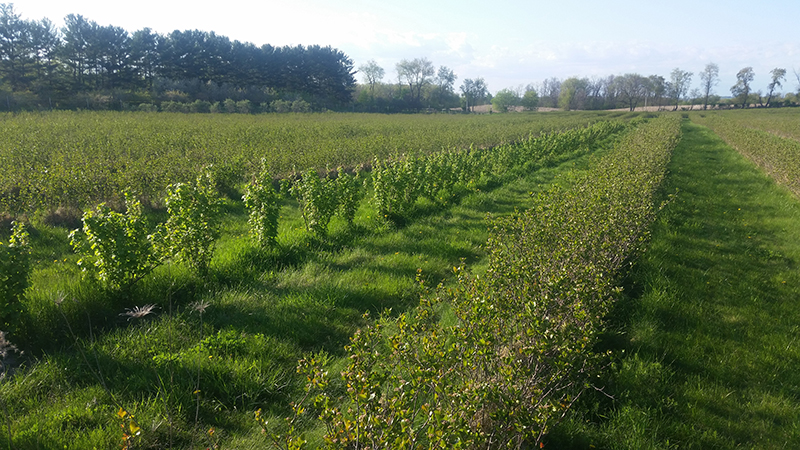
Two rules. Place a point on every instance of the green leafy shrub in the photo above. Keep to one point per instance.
(520, 351)
(397, 184)
(115, 248)
(264, 204)
(193, 223)
(350, 191)
(318, 199)
(15, 267)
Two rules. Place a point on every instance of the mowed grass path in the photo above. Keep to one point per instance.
(709, 330)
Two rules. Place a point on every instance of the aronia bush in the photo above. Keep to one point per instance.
(520, 348)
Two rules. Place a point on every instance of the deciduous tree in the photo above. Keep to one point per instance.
(631, 88)
(473, 91)
(530, 99)
(373, 73)
(445, 80)
(777, 76)
(679, 83)
(709, 78)
(742, 87)
(551, 90)
(656, 90)
(505, 99)
(573, 93)
(416, 74)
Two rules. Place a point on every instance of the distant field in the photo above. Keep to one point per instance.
(76, 159)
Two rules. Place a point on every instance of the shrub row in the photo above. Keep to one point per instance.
(119, 248)
(777, 156)
(517, 347)
(400, 181)
(228, 106)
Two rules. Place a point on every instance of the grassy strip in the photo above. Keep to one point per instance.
(239, 332)
(709, 333)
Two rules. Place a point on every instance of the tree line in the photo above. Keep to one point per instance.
(419, 85)
(633, 90)
(86, 65)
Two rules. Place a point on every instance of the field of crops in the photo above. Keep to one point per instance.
(771, 140)
(464, 290)
(72, 159)
(781, 122)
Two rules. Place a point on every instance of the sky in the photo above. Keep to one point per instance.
(510, 43)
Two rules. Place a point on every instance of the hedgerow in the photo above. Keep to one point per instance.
(521, 348)
(69, 159)
(777, 155)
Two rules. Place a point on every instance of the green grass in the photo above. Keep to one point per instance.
(266, 309)
(708, 333)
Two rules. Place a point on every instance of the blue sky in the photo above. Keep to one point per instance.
(507, 42)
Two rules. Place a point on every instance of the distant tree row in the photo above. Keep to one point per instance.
(84, 64)
(419, 86)
(633, 90)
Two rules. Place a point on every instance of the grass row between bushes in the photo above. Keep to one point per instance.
(708, 333)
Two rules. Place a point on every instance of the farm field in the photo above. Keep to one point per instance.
(219, 346)
(689, 340)
(75, 160)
